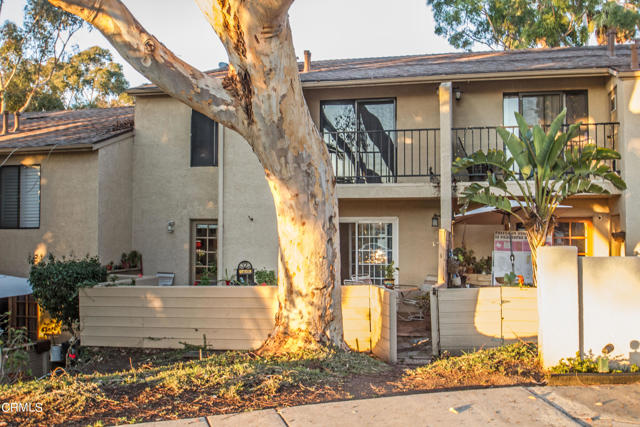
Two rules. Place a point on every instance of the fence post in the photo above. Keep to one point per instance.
(435, 321)
(443, 254)
(558, 307)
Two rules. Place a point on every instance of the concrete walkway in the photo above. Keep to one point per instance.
(530, 406)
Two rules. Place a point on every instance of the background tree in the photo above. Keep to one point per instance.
(91, 79)
(32, 53)
(260, 98)
(518, 24)
(550, 168)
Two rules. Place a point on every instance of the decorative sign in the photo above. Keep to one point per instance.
(506, 243)
(244, 273)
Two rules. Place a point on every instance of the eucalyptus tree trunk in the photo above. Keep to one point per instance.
(261, 98)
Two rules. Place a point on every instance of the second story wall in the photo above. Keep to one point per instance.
(166, 187)
(481, 103)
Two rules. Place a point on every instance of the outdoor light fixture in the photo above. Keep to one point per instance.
(171, 226)
(435, 221)
(458, 94)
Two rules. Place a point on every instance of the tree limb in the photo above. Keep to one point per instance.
(150, 57)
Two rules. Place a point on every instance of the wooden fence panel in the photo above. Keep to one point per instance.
(470, 318)
(225, 318)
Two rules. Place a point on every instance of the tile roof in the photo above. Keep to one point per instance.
(459, 63)
(71, 127)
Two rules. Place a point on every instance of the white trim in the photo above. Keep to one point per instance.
(220, 254)
(395, 224)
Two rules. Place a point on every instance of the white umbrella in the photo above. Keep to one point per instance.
(490, 214)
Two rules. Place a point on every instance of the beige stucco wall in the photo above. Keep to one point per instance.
(417, 243)
(166, 188)
(628, 111)
(68, 211)
(115, 168)
(481, 102)
(250, 231)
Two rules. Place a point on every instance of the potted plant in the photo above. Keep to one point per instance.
(389, 276)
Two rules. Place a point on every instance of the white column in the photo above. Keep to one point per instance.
(558, 308)
(446, 157)
(628, 109)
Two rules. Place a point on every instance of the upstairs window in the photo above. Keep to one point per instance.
(20, 197)
(542, 108)
(204, 140)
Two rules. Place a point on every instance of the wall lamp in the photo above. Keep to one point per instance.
(457, 93)
(171, 226)
(435, 221)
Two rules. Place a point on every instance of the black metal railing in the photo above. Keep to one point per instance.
(468, 140)
(384, 156)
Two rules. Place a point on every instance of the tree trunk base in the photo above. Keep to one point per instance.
(287, 342)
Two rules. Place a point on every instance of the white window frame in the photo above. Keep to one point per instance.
(395, 227)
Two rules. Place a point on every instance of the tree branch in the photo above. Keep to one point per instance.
(146, 54)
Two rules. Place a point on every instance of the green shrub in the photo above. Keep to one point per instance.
(266, 276)
(56, 282)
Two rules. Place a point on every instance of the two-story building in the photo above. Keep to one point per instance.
(195, 196)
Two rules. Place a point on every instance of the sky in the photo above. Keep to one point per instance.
(330, 29)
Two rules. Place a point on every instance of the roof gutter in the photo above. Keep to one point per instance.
(507, 75)
(520, 75)
(66, 148)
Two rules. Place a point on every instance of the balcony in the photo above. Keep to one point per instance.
(468, 140)
(385, 156)
(413, 155)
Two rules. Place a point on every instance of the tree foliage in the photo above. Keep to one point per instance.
(31, 53)
(518, 24)
(548, 171)
(56, 283)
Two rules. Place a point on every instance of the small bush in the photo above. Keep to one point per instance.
(266, 276)
(56, 282)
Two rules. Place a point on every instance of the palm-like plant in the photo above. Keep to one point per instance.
(548, 172)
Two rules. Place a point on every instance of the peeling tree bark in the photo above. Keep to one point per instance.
(261, 98)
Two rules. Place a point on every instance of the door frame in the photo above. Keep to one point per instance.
(395, 227)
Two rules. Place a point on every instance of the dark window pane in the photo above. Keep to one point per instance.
(577, 107)
(561, 229)
(204, 140)
(577, 229)
(9, 196)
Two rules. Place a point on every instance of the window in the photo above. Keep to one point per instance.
(574, 233)
(356, 132)
(20, 197)
(370, 247)
(25, 314)
(542, 108)
(204, 250)
(204, 140)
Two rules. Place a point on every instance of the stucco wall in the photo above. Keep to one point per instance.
(596, 301)
(481, 102)
(166, 188)
(250, 231)
(418, 249)
(68, 211)
(628, 111)
(115, 163)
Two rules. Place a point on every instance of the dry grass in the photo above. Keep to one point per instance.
(161, 385)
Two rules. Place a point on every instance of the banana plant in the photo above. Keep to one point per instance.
(548, 172)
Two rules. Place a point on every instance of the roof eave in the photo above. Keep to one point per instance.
(507, 75)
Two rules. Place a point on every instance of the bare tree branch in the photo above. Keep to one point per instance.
(150, 57)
